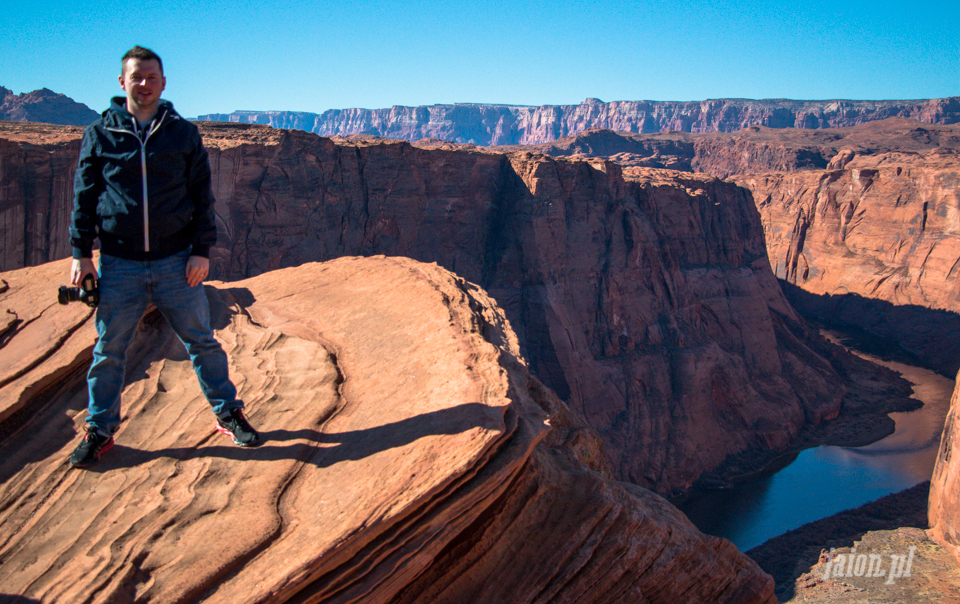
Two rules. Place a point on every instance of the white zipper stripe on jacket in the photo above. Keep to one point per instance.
(143, 172)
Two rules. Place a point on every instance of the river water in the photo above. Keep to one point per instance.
(825, 480)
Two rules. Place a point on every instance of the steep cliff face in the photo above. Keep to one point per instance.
(944, 509)
(44, 106)
(37, 163)
(409, 457)
(877, 240)
(512, 125)
(860, 221)
(646, 301)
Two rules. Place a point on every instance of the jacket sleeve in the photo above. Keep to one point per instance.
(200, 191)
(87, 186)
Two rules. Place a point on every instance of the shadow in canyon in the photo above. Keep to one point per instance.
(910, 334)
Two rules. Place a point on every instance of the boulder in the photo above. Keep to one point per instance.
(409, 456)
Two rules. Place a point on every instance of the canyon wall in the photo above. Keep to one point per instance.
(944, 507)
(860, 222)
(409, 456)
(511, 125)
(37, 163)
(876, 241)
(644, 300)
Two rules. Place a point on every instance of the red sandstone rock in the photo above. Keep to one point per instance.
(884, 227)
(409, 457)
(645, 302)
(944, 509)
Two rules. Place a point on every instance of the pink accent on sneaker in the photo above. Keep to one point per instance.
(221, 429)
(106, 447)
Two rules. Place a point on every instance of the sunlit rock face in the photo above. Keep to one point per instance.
(644, 298)
(409, 456)
(876, 239)
(944, 509)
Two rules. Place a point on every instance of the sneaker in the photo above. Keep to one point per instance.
(90, 448)
(236, 426)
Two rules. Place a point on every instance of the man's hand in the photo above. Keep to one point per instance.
(198, 268)
(81, 267)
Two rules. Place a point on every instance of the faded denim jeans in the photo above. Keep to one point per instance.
(127, 287)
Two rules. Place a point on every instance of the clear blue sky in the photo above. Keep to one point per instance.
(312, 56)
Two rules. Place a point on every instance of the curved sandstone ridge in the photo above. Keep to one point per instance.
(409, 457)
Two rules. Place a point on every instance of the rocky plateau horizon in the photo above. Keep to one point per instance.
(644, 294)
(493, 124)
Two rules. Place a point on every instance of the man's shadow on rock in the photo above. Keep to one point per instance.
(12, 599)
(349, 446)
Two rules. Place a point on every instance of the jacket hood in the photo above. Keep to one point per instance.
(117, 114)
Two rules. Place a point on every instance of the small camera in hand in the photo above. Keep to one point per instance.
(88, 293)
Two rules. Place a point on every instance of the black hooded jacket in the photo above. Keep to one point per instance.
(145, 195)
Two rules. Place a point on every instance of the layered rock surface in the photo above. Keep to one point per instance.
(645, 300)
(861, 220)
(409, 457)
(876, 239)
(512, 125)
(37, 163)
(944, 509)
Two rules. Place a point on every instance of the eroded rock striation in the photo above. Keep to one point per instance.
(644, 298)
(37, 163)
(44, 106)
(944, 508)
(876, 240)
(520, 125)
(409, 457)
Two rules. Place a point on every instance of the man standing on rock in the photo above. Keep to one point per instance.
(143, 188)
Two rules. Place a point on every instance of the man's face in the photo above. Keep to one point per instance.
(143, 82)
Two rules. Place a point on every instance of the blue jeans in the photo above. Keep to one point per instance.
(127, 287)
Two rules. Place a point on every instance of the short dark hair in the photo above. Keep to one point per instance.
(144, 54)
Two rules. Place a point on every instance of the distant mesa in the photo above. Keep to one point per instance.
(489, 124)
(44, 106)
